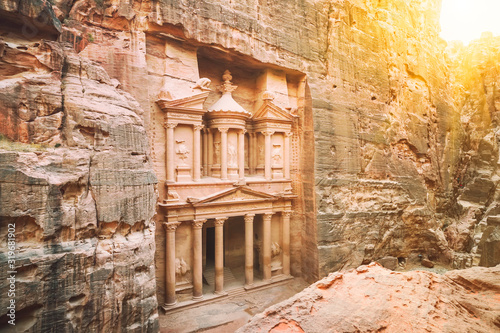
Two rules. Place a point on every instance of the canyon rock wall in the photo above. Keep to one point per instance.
(476, 229)
(380, 134)
(78, 192)
(371, 299)
(398, 144)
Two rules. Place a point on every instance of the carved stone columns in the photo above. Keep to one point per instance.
(252, 162)
(170, 228)
(285, 219)
(286, 155)
(197, 259)
(241, 153)
(219, 255)
(267, 156)
(197, 152)
(266, 247)
(223, 159)
(210, 151)
(249, 249)
(205, 151)
(170, 156)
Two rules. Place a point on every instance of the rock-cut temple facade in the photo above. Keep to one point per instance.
(230, 162)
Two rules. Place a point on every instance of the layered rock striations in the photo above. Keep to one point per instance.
(373, 299)
(475, 232)
(77, 187)
(379, 132)
(398, 145)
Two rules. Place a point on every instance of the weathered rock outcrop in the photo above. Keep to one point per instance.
(476, 72)
(77, 186)
(373, 299)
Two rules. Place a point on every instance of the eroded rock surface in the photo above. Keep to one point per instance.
(373, 299)
(76, 182)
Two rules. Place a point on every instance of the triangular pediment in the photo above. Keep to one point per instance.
(236, 195)
(271, 111)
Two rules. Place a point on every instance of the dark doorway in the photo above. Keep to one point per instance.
(210, 246)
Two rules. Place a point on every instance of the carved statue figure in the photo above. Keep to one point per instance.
(261, 154)
(276, 154)
(217, 152)
(202, 84)
(181, 267)
(231, 154)
(275, 249)
(182, 151)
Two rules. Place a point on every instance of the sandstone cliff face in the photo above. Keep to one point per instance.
(76, 183)
(476, 72)
(374, 299)
(395, 159)
(380, 136)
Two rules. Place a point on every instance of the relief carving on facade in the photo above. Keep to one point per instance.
(182, 270)
(276, 155)
(231, 154)
(217, 152)
(182, 151)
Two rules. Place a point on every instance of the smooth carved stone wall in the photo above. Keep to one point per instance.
(79, 188)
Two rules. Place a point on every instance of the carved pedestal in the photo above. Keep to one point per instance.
(183, 173)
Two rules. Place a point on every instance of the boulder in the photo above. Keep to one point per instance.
(374, 299)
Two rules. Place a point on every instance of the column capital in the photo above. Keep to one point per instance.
(287, 213)
(268, 216)
(170, 125)
(243, 131)
(220, 221)
(223, 129)
(249, 218)
(198, 127)
(267, 132)
(289, 134)
(198, 224)
(170, 226)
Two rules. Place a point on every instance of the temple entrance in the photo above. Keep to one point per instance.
(234, 252)
(210, 247)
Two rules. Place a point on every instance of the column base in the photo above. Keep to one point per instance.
(197, 298)
(169, 305)
(222, 293)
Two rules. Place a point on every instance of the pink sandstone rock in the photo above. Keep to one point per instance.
(374, 299)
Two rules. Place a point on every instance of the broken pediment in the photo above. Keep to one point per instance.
(191, 102)
(238, 194)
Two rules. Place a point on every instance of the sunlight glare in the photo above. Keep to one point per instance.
(465, 20)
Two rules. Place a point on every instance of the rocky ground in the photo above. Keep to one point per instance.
(374, 299)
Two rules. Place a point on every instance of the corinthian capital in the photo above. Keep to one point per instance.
(198, 224)
(170, 125)
(171, 226)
